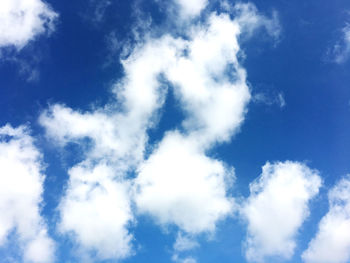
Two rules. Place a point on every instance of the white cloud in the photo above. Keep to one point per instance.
(23, 20)
(21, 187)
(332, 241)
(249, 19)
(177, 259)
(211, 85)
(178, 184)
(277, 207)
(96, 210)
(270, 99)
(191, 8)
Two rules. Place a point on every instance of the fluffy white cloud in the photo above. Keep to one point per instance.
(332, 241)
(211, 85)
(21, 187)
(96, 210)
(23, 20)
(178, 184)
(277, 207)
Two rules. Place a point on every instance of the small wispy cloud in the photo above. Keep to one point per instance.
(95, 11)
(270, 99)
(340, 51)
(183, 244)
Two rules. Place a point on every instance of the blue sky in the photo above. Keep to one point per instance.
(174, 131)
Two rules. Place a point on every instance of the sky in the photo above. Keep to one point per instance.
(185, 131)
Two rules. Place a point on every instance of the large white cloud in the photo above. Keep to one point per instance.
(179, 183)
(21, 187)
(23, 20)
(332, 241)
(277, 207)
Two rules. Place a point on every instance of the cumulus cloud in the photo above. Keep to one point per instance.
(21, 188)
(277, 207)
(178, 184)
(96, 209)
(332, 241)
(23, 20)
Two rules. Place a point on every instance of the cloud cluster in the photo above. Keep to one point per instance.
(178, 184)
(332, 241)
(21, 188)
(277, 207)
(23, 20)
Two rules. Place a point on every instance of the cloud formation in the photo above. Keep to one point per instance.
(23, 20)
(277, 207)
(212, 89)
(178, 183)
(21, 188)
(332, 241)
